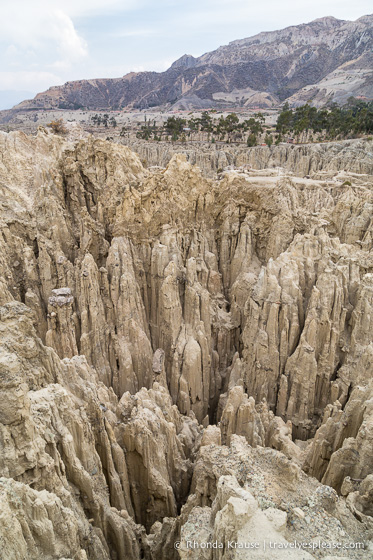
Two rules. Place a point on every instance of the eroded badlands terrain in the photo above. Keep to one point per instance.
(182, 359)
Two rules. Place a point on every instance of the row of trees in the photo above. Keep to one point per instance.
(333, 122)
(227, 128)
(356, 117)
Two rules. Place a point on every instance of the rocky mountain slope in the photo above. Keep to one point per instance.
(181, 359)
(325, 60)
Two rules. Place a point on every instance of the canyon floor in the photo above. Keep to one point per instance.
(185, 357)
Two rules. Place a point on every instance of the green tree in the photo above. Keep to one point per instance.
(174, 126)
(206, 122)
(251, 140)
(268, 140)
(354, 118)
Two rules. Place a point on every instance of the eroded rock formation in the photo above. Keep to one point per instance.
(160, 331)
(319, 160)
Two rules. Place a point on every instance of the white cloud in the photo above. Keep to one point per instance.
(42, 27)
(46, 29)
(70, 45)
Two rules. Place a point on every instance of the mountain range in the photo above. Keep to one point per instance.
(326, 60)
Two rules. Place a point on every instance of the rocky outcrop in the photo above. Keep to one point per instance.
(258, 424)
(299, 384)
(251, 503)
(235, 518)
(160, 330)
(75, 456)
(342, 445)
(41, 526)
(159, 469)
(54, 438)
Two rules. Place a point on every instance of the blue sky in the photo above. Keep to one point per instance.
(48, 42)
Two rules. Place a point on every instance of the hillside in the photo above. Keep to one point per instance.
(322, 61)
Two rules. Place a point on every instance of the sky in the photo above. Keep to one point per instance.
(49, 42)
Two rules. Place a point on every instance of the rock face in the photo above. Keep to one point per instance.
(160, 331)
(321, 61)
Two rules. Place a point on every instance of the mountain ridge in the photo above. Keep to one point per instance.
(326, 60)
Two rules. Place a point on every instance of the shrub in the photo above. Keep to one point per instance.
(58, 127)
